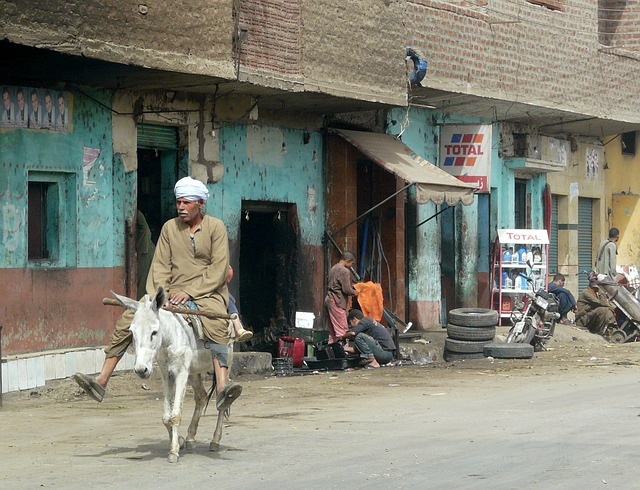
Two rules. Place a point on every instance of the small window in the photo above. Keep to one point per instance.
(628, 143)
(43, 224)
(51, 219)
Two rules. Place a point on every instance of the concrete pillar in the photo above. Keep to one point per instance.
(466, 226)
(424, 274)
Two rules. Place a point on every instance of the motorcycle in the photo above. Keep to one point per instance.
(534, 319)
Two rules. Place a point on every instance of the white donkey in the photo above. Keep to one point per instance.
(167, 338)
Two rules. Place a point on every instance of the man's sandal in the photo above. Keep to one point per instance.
(88, 384)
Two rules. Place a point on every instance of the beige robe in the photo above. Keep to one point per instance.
(196, 264)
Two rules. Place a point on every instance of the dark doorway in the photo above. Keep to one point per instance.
(521, 205)
(268, 266)
(158, 170)
(157, 174)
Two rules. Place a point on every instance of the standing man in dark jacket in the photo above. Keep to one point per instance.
(373, 341)
(339, 289)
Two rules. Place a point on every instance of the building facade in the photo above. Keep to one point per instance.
(245, 96)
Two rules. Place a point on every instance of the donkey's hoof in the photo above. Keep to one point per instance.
(190, 445)
(214, 446)
(173, 458)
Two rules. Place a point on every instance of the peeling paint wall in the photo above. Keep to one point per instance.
(47, 300)
(26, 151)
(431, 277)
(275, 164)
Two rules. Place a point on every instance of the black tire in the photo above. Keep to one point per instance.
(449, 356)
(473, 317)
(458, 332)
(465, 346)
(617, 337)
(508, 351)
(524, 337)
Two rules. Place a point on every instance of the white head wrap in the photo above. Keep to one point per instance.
(190, 189)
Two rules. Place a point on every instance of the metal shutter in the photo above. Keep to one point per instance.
(585, 240)
(155, 137)
(552, 264)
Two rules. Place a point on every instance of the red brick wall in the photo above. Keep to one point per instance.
(273, 41)
(517, 50)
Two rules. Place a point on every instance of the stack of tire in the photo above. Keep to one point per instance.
(468, 331)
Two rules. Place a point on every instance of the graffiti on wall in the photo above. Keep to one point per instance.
(35, 108)
(593, 160)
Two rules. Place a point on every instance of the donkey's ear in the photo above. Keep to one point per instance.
(128, 303)
(158, 299)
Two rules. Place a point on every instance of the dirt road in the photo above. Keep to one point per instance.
(565, 419)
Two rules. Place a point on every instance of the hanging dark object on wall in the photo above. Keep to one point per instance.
(419, 65)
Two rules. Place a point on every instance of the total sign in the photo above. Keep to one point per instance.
(465, 152)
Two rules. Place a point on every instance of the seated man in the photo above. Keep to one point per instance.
(566, 301)
(373, 341)
(595, 312)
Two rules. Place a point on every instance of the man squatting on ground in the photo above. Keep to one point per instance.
(191, 262)
(339, 288)
(373, 341)
(595, 313)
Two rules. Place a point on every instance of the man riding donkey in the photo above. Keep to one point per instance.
(191, 262)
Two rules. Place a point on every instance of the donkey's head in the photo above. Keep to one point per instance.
(145, 327)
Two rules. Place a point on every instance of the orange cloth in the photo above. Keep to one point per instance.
(370, 299)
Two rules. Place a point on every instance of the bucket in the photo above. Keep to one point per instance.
(293, 348)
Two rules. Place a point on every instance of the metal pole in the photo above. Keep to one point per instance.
(372, 209)
(434, 215)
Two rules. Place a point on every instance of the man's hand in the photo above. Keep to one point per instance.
(349, 335)
(179, 298)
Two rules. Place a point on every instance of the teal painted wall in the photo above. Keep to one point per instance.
(422, 135)
(269, 163)
(424, 266)
(94, 235)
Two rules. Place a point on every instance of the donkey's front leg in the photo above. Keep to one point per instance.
(176, 414)
(168, 388)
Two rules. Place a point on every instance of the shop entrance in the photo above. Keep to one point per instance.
(268, 268)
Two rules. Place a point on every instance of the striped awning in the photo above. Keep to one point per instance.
(432, 183)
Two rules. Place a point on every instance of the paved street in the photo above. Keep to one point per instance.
(503, 424)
